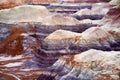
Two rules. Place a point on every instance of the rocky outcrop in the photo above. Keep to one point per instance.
(104, 37)
(59, 20)
(43, 23)
(98, 39)
(97, 12)
(92, 64)
(23, 13)
(66, 8)
(14, 22)
(62, 42)
(62, 51)
(43, 16)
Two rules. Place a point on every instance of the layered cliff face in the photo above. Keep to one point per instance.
(43, 22)
(14, 22)
(63, 42)
(104, 36)
(25, 15)
(22, 20)
(91, 64)
(58, 46)
(97, 12)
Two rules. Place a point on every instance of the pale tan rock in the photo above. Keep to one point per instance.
(62, 35)
(94, 35)
(91, 64)
(105, 57)
(24, 13)
(83, 12)
(35, 13)
(115, 3)
(59, 20)
(107, 32)
(97, 9)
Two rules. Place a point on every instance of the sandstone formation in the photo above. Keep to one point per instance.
(97, 12)
(24, 13)
(89, 65)
(108, 32)
(103, 37)
(43, 23)
(43, 17)
(98, 39)
(59, 20)
(66, 8)
(16, 20)
(56, 45)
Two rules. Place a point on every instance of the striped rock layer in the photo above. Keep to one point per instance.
(63, 42)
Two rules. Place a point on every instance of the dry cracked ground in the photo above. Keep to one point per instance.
(59, 39)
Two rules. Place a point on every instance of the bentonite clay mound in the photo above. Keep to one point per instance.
(95, 37)
(97, 12)
(59, 20)
(105, 33)
(89, 65)
(64, 54)
(24, 13)
(44, 22)
(62, 42)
